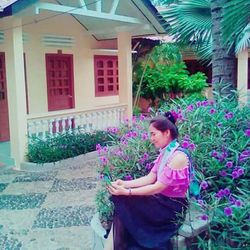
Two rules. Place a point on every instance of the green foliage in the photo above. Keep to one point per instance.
(104, 208)
(163, 54)
(163, 79)
(136, 110)
(217, 133)
(220, 133)
(64, 145)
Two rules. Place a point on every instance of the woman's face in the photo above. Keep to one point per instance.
(158, 138)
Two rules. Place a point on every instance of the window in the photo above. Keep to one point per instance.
(106, 75)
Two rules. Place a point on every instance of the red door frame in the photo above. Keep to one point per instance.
(71, 95)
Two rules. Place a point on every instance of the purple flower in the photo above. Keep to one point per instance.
(190, 107)
(240, 171)
(149, 166)
(144, 136)
(229, 164)
(223, 173)
(247, 132)
(98, 147)
(142, 117)
(128, 177)
(204, 217)
(198, 104)
(113, 130)
(191, 146)
(145, 156)
(238, 203)
(235, 174)
(228, 211)
(105, 149)
(222, 192)
(212, 111)
(227, 191)
(185, 144)
(214, 154)
(204, 103)
(101, 176)
(134, 134)
(175, 114)
(104, 160)
(244, 155)
(229, 116)
(204, 185)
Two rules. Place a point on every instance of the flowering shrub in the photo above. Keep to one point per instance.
(129, 157)
(217, 133)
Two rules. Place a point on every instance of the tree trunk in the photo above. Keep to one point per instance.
(223, 61)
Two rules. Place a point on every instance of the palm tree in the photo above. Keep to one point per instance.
(208, 26)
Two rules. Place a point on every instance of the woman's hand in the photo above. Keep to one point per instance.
(116, 189)
(119, 182)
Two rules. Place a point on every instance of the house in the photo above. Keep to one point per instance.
(65, 64)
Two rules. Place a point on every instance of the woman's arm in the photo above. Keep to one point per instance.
(145, 180)
(144, 190)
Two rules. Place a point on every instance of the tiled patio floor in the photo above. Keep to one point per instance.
(47, 210)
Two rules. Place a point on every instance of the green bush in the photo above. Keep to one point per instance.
(167, 81)
(64, 145)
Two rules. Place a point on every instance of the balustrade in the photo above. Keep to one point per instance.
(86, 121)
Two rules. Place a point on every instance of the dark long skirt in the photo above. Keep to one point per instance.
(146, 222)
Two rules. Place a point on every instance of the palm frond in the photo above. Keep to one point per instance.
(243, 40)
(189, 20)
(236, 23)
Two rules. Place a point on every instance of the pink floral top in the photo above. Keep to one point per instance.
(177, 180)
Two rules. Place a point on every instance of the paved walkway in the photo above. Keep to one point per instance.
(48, 210)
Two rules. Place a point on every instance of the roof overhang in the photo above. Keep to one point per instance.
(102, 19)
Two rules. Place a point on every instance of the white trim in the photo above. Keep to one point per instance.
(87, 13)
(114, 6)
(82, 4)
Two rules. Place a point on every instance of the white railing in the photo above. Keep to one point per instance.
(87, 121)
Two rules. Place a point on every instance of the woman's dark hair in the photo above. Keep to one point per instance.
(166, 122)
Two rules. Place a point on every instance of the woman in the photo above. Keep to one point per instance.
(149, 210)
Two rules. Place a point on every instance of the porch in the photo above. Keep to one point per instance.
(64, 78)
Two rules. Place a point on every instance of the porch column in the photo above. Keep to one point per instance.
(242, 76)
(125, 71)
(16, 89)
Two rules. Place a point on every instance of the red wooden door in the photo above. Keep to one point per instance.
(60, 81)
(4, 116)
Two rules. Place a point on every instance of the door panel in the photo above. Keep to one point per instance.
(60, 83)
(4, 116)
